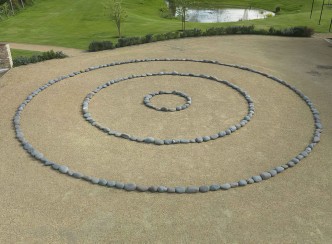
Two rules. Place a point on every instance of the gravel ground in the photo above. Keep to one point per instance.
(41, 205)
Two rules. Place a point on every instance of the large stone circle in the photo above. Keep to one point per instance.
(261, 176)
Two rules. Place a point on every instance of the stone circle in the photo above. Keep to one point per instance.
(168, 141)
(261, 176)
(147, 101)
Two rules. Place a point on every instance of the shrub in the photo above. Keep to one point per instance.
(100, 45)
(261, 32)
(128, 41)
(148, 38)
(164, 12)
(298, 31)
(158, 37)
(191, 33)
(172, 35)
(214, 31)
(38, 58)
(240, 29)
(277, 9)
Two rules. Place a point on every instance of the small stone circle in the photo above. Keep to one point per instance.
(260, 177)
(147, 101)
(168, 141)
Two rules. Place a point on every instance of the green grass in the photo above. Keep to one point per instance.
(23, 53)
(77, 23)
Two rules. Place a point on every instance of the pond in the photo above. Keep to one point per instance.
(222, 15)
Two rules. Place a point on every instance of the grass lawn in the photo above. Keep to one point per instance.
(77, 23)
(25, 53)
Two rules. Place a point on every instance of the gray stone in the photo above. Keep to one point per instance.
(192, 189)
(77, 175)
(250, 181)
(119, 185)
(299, 157)
(184, 141)
(257, 178)
(234, 184)
(162, 189)
(102, 182)
(94, 180)
(55, 166)
(225, 186)
(153, 188)
(204, 188)
(63, 169)
(167, 142)
(171, 189)
(159, 142)
(285, 166)
(214, 136)
(111, 183)
(222, 133)
(316, 139)
(87, 178)
(130, 187)
(206, 138)
(180, 189)
(214, 187)
(199, 139)
(125, 136)
(232, 128)
(149, 140)
(242, 182)
(279, 169)
(295, 160)
(291, 164)
(265, 175)
(273, 172)
(142, 188)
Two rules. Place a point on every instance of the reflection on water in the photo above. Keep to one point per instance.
(222, 15)
(225, 15)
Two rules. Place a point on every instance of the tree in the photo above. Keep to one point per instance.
(116, 13)
(182, 10)
(11, 4)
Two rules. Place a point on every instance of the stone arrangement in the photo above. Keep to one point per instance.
(168, 141)
(147, 101)
(169, 189)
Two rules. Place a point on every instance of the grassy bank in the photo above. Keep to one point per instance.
(23, 53)
(77, 23)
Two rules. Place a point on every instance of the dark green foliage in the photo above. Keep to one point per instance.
(240, 29)
(38, 58)
(215, 31)
(165, 12)
(191, 33)
(99, 46)
(172, 35)
(128, 41)
(277, 10)
(148, 38)
(299, 31)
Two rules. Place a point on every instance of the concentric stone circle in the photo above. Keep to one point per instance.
(147, 101)
(268, 174)
(168, 141)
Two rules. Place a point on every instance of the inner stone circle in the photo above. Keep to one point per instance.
(147, 101)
